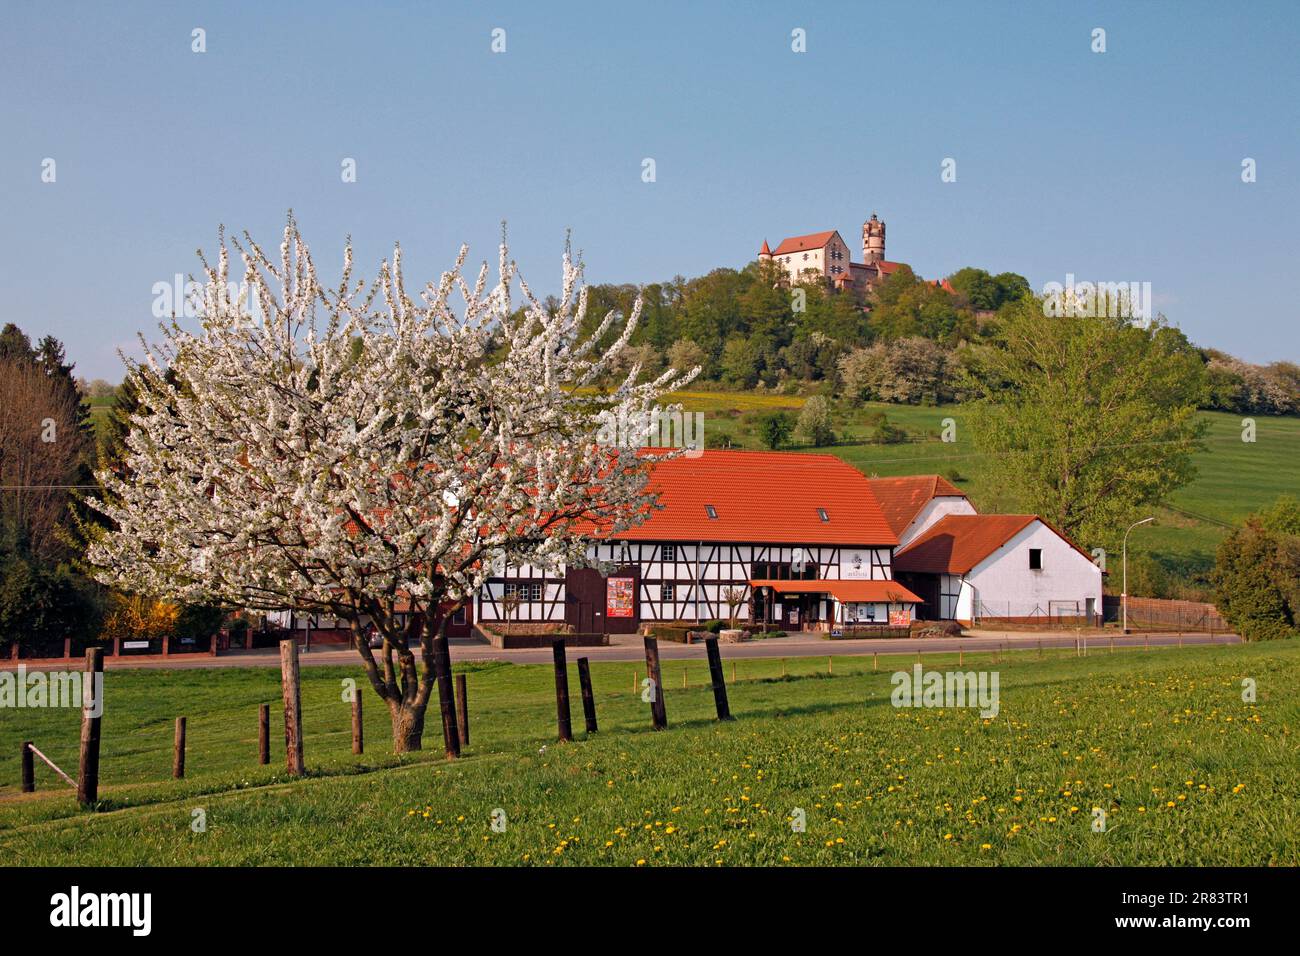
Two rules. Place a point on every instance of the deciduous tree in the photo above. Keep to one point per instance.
(1087, 421)
(356, 452)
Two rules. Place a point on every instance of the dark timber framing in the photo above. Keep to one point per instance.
(701, 573)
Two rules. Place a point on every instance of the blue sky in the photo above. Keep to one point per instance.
(1118, 166)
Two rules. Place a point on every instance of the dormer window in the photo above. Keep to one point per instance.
(821, 513)
(712, 512)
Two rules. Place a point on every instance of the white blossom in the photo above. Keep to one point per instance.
(351, 451)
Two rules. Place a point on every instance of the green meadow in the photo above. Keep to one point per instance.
(1135, 757)
(1233, 477)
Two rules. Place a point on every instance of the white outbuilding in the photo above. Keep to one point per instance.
(1015, 568)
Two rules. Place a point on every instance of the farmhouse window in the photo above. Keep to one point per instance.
(804, 569)
(1035, 559)
(666, 592)
(525, 591)
(667, 552)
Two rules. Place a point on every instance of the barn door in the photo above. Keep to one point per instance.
(584, 600)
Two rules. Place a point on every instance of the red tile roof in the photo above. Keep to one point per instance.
(956, 543)
(815, 240)
(763, 497)
(887, 591)
(765, 251)
(902, 498)
(887, 267)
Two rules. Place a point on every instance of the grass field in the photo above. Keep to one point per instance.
(1233, 478)
(1162, 741)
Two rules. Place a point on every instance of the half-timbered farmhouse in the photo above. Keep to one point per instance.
(797, 542)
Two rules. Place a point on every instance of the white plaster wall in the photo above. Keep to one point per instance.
(1005, 586)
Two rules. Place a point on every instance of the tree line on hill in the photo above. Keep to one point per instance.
(48, 452)
(908, 343)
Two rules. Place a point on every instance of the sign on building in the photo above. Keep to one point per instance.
(619, 597)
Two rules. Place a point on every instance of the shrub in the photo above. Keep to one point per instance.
(887, 433)
(775, 429)
(669, 632)
(815, 421)
(1257, 578)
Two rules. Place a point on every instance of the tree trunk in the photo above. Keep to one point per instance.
(408, 726)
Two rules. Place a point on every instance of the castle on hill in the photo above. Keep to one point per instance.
(827, 255)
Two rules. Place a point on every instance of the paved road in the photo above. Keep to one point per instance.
(630, 648)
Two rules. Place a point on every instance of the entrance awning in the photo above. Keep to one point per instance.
(846, 592)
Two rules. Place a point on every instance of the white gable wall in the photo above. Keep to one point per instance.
(1004, 585)
(933, 510)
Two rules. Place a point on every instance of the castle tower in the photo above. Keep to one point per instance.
(873, 240)
(765, 254)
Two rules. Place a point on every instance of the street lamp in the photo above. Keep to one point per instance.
(1124, 596)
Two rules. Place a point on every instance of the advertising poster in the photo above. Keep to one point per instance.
(618, 597)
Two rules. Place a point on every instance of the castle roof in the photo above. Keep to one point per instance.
(814, 240)
(765, 251)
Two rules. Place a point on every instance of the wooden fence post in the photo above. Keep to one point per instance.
(563, 717)
(29, 768)
(178, 750)
(718, 678)
(446, 695)
(88, 768)
(658, 711)
(292, 694)
(358, 735)
(588, 698)
(462, 709)
(264, 734)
